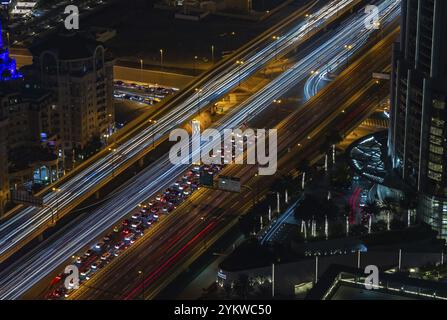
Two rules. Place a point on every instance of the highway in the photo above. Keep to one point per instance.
(160, 253)
(212, 212)
(26, 223)
(28, 271)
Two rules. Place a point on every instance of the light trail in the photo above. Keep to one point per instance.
(23, 224)
(21, 276)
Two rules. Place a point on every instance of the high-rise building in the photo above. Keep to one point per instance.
(80, 73)
(4, 181)
(417, 143)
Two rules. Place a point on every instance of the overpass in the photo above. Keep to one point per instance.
(142, 135)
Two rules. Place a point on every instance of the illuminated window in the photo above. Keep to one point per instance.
(435, 167)
(435, 176)
(436, 149)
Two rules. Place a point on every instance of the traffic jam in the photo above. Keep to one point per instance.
(129, 230)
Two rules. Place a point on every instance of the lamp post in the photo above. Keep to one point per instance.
(348, 48)
(161, 58)
(56, 190)
(212, 54)
(113, 150)
(276, 38)
(141, 70)
(194, 64)
(142, 283)
(198, 91)
(239, 63)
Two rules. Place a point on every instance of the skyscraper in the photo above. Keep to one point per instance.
(417, 138)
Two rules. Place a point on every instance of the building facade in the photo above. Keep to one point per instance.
(4, 181)
(417, 144)
(78, 71)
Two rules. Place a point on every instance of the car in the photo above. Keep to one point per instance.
(117, 252)
(105, 256)
(116, 229)
(119, 245)
(136, 215)
(129, 237)
(94, 266)
(136, 224)
(79, 260)
(125, 222)
(85, 274)
(88, 253)
(106, 239)
(99, 245)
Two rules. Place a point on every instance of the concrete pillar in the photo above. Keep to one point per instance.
(51, 173)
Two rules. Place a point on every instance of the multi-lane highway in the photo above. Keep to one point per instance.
(211, 212)
(26, 223)
(21, 276)
(259, 101)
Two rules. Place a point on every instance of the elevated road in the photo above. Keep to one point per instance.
(163, 256)
(315, 118)
(137, 139)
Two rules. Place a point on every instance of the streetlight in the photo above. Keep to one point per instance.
(212, 54)
(153, 136)
(161, 58)
(54, 189)
(239, 63)
(276, 38)
(142, 282)
(348, 47)
(198, 91)
(141, 70)
(195, 60)
(113, 150)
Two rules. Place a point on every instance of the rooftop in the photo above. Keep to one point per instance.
(67, 45)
